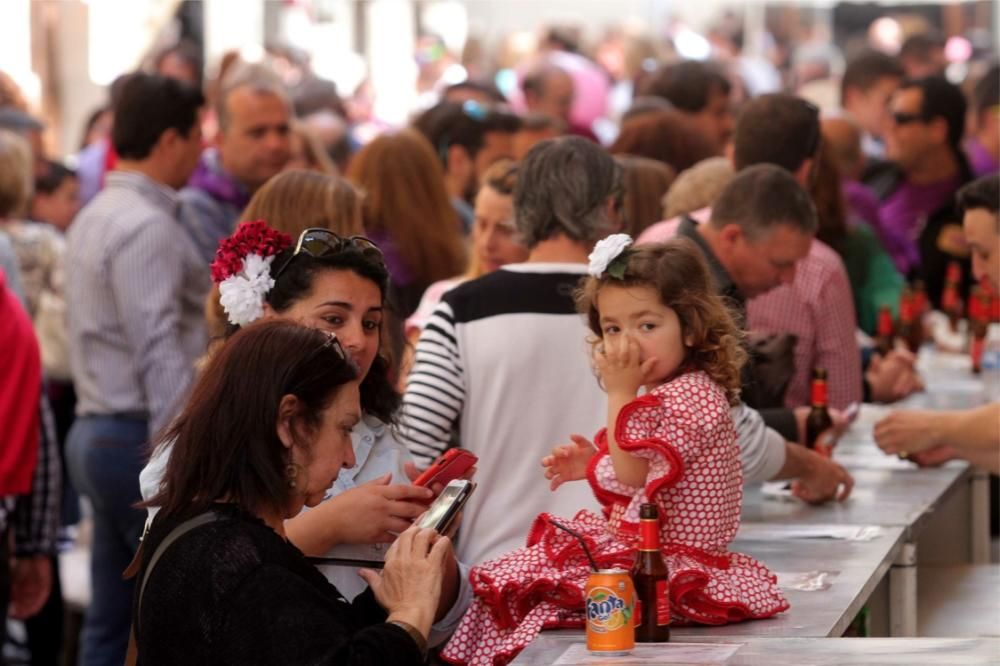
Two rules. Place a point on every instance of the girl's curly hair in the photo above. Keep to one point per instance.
(678, 272)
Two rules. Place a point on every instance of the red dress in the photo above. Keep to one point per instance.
(684, 429)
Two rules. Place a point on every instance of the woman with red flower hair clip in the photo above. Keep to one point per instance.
(337, 284)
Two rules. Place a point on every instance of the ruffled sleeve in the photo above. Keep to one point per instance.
(670, 427)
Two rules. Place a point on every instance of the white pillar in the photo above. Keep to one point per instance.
(233, 24)
(391, 33)
(15, 47)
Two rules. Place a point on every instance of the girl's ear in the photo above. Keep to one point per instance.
(287, 409)
(688, 340)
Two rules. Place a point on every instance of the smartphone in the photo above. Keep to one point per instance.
(448, 467)
(441, 514)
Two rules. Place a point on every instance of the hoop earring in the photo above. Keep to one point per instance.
(292, 474)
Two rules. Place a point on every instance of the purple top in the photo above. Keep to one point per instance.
(902, 217)
(400, 274)
(981, 161)
(862, 202)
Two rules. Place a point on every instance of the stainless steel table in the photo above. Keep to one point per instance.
(857, 567)
(549, 647)
(944, 511)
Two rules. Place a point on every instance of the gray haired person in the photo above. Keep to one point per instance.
(504, 357)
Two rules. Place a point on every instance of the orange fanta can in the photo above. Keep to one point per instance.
(610, 606)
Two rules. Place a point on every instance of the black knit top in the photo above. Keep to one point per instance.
(234, 592)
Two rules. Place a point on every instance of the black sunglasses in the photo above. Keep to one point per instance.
(904, 118)
(318, 242)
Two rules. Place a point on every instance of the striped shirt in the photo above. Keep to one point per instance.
(505, 359)
(135, 299)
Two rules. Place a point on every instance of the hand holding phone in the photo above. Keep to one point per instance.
(449, 466)
(441, 514)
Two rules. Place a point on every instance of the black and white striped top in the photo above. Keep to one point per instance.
(503, 369)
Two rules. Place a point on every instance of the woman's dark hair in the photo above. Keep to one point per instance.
(668, 136)
(679, 274)
(828, 197)
(378, 395)
(226, 445)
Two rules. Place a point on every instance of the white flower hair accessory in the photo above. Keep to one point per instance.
(609, 256)
(242, 295)
(242, 269)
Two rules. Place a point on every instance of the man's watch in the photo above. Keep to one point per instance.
(417, 637)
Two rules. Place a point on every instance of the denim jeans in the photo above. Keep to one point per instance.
(105, 455)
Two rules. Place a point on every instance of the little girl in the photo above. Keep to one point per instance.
(659, 325)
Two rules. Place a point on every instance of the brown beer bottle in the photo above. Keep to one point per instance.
(650, 577)
(910, 324)
(951, 298)
(884, 331)
(819, 420)
(979, 322)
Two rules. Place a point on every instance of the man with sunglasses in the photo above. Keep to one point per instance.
(469, 137)
(918, 222)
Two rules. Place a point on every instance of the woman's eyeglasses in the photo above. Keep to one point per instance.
(319, 243)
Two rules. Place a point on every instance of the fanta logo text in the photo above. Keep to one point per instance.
(606, 610)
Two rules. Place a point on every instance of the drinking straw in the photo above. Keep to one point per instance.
(583, 544)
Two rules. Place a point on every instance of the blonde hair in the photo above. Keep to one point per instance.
(678, 273)
(697, 187)
(313, 152)
(501, 177)
(646, 183)
(292, 202)
(16, 174)
(406, 201)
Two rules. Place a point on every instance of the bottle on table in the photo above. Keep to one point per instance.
(910, 327)
(980, 307)
(650, 576)
(819, 420)
(951, 297)
(884, 331)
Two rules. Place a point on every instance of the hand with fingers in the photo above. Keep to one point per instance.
(903, 433)
(617, 361)
(409, 587)
(31, 584)
(823, 481)
(374, 512)
(568, 462)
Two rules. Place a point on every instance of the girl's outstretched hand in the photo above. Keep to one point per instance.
(617, 361)
(568, 462)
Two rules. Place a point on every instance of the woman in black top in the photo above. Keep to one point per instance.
(266, 430)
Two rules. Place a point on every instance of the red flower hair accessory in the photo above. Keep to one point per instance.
(242, 269)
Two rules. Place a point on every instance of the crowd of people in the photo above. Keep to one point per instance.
(239, 333)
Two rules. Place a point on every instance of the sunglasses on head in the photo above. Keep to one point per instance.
(333, 343)
(319, 242)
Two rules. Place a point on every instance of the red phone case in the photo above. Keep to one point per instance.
(448, 467)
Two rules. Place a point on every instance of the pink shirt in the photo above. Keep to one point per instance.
(818, 308)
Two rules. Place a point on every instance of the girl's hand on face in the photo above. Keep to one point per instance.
(617, 361)
(569, 461)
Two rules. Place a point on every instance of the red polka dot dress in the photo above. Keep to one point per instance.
(683, 428)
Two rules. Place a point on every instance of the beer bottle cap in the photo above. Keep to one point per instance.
(649, 512)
